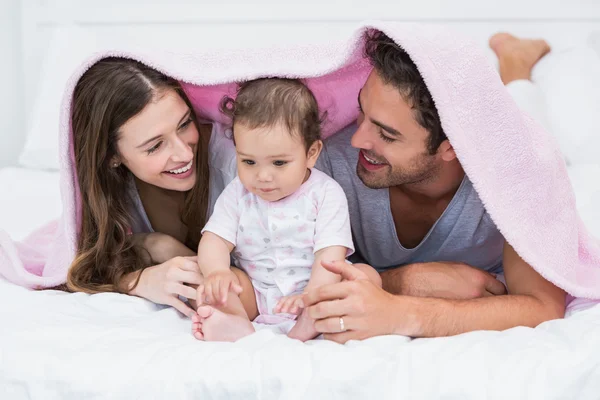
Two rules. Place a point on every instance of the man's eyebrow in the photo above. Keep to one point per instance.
(383, 126)
(386, 128)
(187, 114)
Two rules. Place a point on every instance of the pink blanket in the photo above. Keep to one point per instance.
(515, 166)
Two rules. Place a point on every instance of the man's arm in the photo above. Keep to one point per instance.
(531, 301)
(446, 280)
(368, 310)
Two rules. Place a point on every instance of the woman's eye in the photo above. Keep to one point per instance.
(279, 163)
(248, 162)
(185, 124)
(154, 148)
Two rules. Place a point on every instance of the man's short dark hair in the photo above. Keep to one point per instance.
(396, 68)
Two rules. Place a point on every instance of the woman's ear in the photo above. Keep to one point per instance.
(115, 162)
(313, 153)
(446, 151)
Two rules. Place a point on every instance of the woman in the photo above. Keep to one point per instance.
(147, 183)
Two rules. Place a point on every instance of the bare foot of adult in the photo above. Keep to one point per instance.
(516, 57)
(304, 329)
(212, 325)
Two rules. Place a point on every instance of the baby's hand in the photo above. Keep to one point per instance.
(290, 305)
(216, 287)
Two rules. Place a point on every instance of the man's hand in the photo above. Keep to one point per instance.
(446, 280)
(365, 309)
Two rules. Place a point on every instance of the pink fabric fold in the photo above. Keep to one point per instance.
(515, 166)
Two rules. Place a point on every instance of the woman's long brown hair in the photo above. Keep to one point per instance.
(110, 93)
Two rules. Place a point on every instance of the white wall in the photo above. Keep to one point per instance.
(11, 83)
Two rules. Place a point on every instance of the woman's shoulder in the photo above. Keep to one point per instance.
(221, 162)
(140, 223)
(221, 150)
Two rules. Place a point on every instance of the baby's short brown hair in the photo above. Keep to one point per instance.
(267, 102)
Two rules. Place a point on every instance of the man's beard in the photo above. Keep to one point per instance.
(422, 170)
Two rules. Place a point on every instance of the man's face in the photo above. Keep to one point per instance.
(393, 145)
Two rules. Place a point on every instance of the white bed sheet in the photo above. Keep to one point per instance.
(55, 345)
(75, 346)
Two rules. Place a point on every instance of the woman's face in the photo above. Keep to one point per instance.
(158, 145)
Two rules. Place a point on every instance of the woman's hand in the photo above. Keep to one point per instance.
(164, 283)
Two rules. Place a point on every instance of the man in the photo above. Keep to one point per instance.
(418, 220)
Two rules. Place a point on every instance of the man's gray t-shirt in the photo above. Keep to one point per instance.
(464, 233)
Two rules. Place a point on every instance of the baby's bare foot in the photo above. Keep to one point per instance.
(216, 326)
(304, 329)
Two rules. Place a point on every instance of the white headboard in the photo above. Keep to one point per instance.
(224, 23)
(219, 21)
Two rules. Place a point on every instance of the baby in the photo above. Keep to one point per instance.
(279, 219)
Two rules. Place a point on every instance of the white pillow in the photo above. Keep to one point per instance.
(570, 81)
(69, 47)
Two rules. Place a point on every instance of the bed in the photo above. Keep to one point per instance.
(55, 345)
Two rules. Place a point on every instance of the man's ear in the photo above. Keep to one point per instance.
(313, 153)
(446, 151)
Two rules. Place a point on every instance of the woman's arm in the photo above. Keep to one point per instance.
(161, 247)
